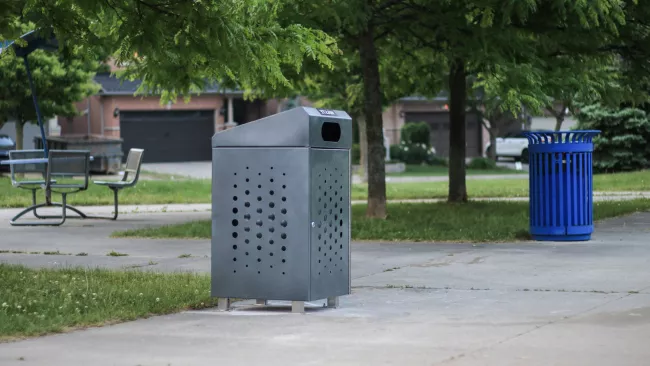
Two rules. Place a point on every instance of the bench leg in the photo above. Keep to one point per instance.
(72, 208)
(56, 204)
(32, 208)
(35, 206)
(115, 207)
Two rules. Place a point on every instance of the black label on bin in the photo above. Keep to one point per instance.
(326, 112)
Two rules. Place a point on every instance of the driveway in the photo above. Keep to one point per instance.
(524, 303)
(193, 169)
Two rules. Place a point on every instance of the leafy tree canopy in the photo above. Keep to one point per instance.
(175, 46)
(59, 83)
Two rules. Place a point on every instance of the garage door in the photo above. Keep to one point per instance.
(439, 124)
(168, 136)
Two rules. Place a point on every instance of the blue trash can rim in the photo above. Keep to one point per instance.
(560, 137)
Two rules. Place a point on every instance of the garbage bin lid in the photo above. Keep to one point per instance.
(560, 137)
(297, 127)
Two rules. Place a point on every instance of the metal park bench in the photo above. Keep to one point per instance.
(61, 164)
(36, 168)
(129, 179)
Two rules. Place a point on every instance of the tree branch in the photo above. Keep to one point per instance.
(158, 9)
(551, 110)
(388, 4)
(488, 128)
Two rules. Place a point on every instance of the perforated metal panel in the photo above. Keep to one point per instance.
(281, 215)
(260, 223)
(330, 213)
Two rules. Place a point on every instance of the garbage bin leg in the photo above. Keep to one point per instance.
(223, 304)
(260, 302)
(298, 307)
(333, 302)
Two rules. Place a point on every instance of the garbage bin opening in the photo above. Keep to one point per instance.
(330, 131)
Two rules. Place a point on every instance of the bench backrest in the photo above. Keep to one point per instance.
(32, 168)
(133, 163)
(69, 164)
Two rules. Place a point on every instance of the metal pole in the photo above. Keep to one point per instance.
(231, 112)
(48, 193)
(88, 118)
(38, 111)
(101, 112)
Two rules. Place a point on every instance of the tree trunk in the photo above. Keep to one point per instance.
(457, 150)
(20, 128)
(363, 148)
(559, 116)
(492, 153)
(558, 121)
(493, 130)
(374, 124)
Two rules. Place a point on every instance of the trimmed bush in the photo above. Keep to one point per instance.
(623, 141)
(439, 161)
(396, 152)
(415, 145)
(416, 133)
(413, 153)
(482, 164)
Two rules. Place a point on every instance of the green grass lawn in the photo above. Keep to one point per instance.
(145, 192)
(473, 222)
(198, 191)
(39, 301)
(427, 170)
(636, 181)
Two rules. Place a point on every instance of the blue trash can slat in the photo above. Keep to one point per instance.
(554, 188)
(563, 181)
(547, 186)
(581, 189)
(574, 208)
(561, 184)
(585, 186)
(591, 186)
(531, 187)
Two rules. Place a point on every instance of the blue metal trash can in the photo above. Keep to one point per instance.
(561, 185)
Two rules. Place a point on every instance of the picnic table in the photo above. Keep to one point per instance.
(64, 164)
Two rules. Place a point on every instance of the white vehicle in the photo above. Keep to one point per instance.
(512, 145)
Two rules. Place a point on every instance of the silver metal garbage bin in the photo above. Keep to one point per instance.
(281, 208)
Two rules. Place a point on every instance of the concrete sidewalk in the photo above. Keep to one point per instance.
(525, 303)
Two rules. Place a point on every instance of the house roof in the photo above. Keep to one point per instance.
(112, 85)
